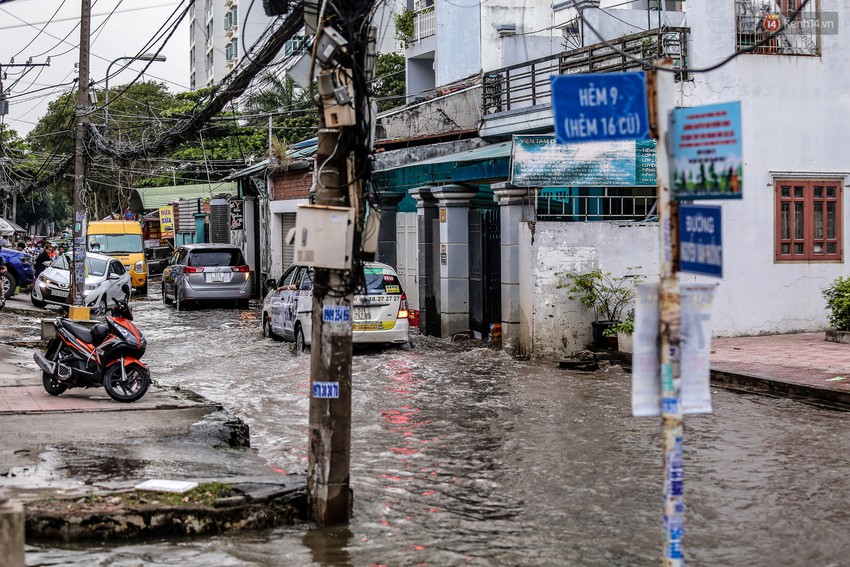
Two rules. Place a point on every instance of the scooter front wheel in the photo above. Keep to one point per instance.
(126, 383)
(51, 385)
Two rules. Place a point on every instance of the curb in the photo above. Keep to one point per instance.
(826, 397)
(257, 505)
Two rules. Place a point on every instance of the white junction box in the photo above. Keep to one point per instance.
(324, 236)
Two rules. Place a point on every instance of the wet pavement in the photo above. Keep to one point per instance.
(464, 456)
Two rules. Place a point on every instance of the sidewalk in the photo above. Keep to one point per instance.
(798, 365)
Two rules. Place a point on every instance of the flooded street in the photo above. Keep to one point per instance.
(463, 456)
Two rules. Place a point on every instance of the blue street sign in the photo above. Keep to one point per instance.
(700, 242)
(325, 389)
(600, 106)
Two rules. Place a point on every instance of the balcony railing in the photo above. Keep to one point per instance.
(424, 23)
(527, 84)
(616, 204)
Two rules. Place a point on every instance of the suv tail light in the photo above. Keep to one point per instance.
(240, 269)
(193, 270)
(402, 308)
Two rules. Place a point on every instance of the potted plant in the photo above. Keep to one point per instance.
(837, 296)
(606, 295)
(623, 331)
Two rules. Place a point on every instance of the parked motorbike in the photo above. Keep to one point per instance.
(106, 355)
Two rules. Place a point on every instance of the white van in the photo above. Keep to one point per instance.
(378, 314)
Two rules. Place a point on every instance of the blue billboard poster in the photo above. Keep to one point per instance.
(706, 158)
(700, 240)
(600, 106)
(539, 161)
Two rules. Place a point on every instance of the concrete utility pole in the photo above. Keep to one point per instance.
(662, 95)
(337, 169)
(78, 276)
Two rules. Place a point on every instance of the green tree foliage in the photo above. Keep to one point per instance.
(138, 114)
(298, 118)
(388, 88)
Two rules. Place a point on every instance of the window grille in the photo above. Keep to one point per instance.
(757, 22)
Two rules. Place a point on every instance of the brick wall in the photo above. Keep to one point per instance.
(294, 184)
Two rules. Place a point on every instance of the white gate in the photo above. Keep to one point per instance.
(407, 254)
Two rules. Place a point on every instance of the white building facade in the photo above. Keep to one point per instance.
(783, 242)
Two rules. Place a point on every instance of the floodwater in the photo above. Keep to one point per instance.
(464, 456)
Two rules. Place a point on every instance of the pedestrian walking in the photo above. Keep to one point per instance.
(44, 259)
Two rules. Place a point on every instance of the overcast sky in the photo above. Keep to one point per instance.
(126, 32)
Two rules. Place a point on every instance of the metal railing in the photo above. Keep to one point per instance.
(424, 23)
(563, 205)
(527, 84)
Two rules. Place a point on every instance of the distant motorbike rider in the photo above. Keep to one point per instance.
(2, 271)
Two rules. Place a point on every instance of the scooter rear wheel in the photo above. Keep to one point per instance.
(128, 387)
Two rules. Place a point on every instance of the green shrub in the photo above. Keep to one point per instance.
(837, 296)
(608, 296)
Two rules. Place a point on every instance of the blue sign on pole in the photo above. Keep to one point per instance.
(600, 106)
(326, 390)
(700, 242)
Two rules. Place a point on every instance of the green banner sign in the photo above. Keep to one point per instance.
(538, 161)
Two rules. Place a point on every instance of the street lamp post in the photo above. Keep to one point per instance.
(142, 57)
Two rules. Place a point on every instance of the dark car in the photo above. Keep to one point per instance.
(204, 272)
(157, 258)
(19, 271)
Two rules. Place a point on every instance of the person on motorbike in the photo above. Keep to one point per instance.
(2, 271)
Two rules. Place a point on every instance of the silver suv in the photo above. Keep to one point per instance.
(205, 272)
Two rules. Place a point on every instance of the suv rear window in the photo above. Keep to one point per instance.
(378, 282)
(204, 258)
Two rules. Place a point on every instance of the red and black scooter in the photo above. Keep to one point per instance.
(106, 355)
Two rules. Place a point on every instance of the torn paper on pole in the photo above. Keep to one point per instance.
(696, 300)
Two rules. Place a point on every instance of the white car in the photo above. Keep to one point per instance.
(378, 314)
(106, 279)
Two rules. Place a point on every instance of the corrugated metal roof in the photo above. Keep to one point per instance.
(155, 197)
(257, 167)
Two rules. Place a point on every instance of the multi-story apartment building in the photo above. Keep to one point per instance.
(219, 28)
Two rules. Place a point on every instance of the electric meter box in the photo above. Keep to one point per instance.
(324, 236)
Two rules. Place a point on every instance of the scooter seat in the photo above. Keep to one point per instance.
(80, 331)
(99, 333)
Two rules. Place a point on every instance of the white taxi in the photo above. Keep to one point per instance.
(378, 311)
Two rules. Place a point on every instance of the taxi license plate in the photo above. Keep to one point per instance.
(59, 292)
(361, 314)
(217, 277)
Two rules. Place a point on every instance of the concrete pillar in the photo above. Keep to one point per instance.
(388, 207)
(454, 257)
(513, 211)
(11, 533)
(426, 215)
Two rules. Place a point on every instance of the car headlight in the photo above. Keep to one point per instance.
(91, 286)
(139, 267)
(26, 260)
(46, 280)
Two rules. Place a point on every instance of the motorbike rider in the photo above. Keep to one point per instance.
(2, 271)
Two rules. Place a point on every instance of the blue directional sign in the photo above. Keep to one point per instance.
(325, 389)
(700, 242)
(600, 106)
